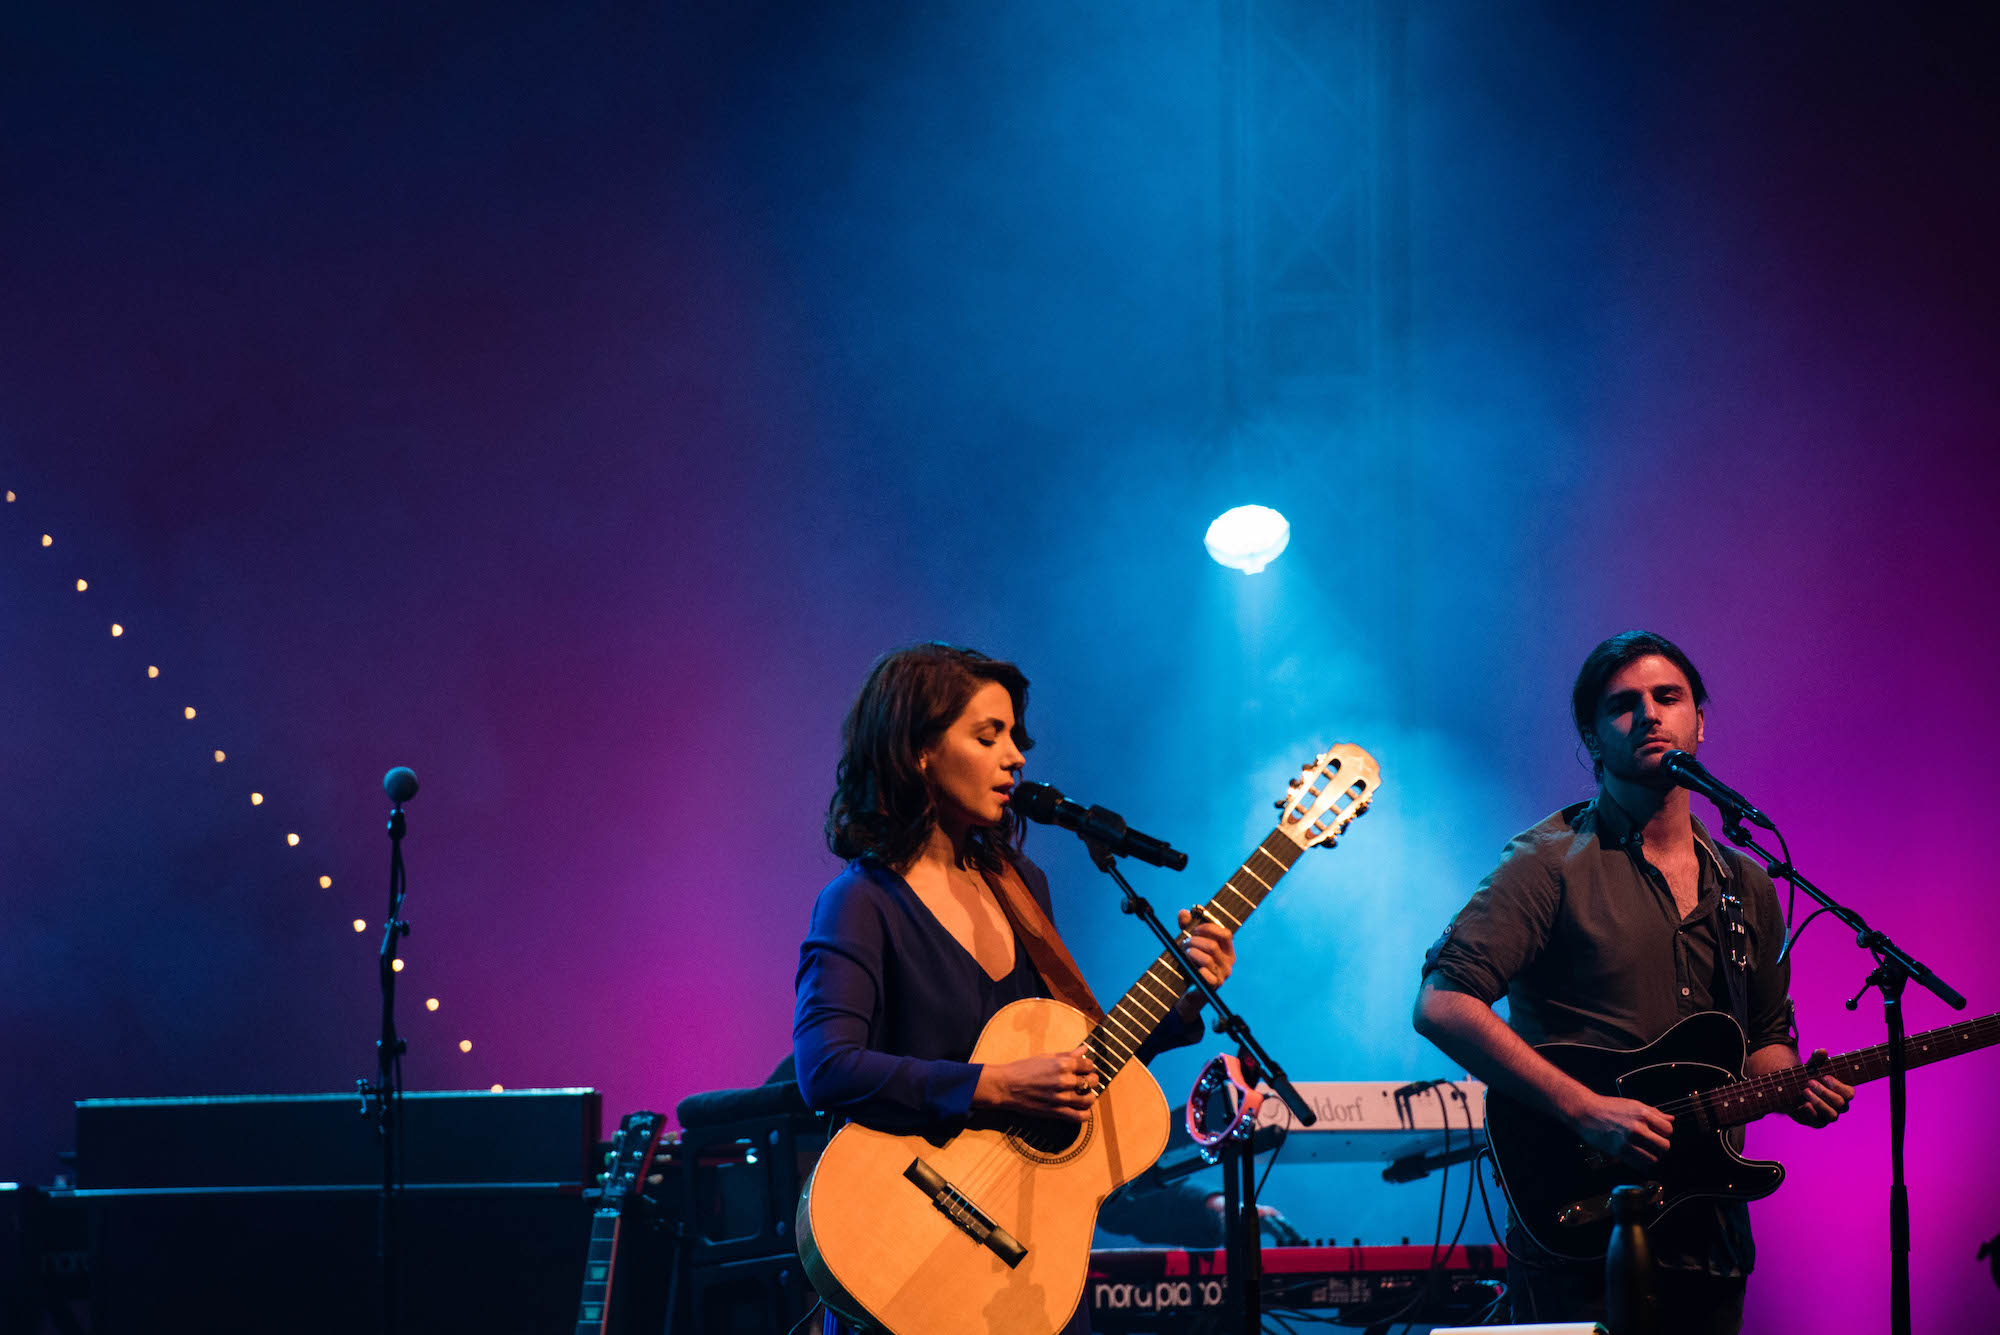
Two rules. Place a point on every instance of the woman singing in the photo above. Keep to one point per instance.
(939, 918)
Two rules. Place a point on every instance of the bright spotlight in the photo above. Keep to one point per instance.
(1247, 538)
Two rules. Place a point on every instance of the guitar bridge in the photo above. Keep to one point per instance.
(970, 1219)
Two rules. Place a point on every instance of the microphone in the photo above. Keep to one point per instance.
(1045, 804)
(1692, 775)
(400, 784)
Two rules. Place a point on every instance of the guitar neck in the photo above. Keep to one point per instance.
(593, 1312)
(1139, 1012)
(1781, 1091)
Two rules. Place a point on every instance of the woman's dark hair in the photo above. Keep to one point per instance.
(882, 806)
(1604, 662)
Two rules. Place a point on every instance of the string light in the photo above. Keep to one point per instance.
(116, 630)
(431, 1004)
(48, 541)
(152, 672)
(10, 498)
(397, 965)
(360, 926)
(465, 1045)
(326, 883)
(494, 1090)
(256, 799)
(292, 839)
(220, 757)
(189, 711)
(82, 584)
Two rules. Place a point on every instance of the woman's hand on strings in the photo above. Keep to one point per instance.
(1055, 1084)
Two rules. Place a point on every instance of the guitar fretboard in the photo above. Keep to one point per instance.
(1781, 1091)
(1139, 1012)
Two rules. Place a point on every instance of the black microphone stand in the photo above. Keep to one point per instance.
(1244, 1248)
(383, 1099)
(1894, 967)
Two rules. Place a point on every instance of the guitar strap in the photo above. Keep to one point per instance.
(1732, 955)
(1037, 934)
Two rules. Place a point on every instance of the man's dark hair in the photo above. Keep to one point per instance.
(1604, 662)
(882, 805)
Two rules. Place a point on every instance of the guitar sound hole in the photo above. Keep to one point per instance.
(1049, 1138)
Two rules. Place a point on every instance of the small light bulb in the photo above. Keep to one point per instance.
(360, 926)
(292, 839)
(431, 1004)
(326, 883)
(82, 584)
(152, 672)
(116, 630)
(188, 712)
(220, 757)
(494, 1090)
(256, 799)
(397, 965)
(465, 1045)
(48, 541)
(10, 498)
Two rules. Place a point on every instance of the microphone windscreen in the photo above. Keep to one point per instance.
(1037, 801)
(400, 784)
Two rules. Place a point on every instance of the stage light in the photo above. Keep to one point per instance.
(116, 630)
(152, 672)
(431, 1004)
(360, 926)
(188, 712)
(1247, 538)
(326, 883)
(292, 839)
(465, 1045)
(397, 965)
(220, 757)
(82, 584)
(256, 799)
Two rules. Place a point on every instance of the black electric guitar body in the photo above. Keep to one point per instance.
(1560, 1187)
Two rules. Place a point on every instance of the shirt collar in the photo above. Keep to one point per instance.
(1614, 827)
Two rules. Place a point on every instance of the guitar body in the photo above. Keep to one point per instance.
(1559, 1186)
(885, 1256)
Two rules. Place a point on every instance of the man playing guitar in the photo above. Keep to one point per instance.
(1607, 924)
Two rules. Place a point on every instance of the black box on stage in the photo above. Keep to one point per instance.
(258, 1213)
(235, 1261)
(314, 1140)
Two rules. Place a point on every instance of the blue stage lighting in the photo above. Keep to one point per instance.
(1247, 538)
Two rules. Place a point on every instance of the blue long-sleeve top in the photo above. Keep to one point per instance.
(889, 1004)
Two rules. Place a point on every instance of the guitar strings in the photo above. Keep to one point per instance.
(1793, 1079)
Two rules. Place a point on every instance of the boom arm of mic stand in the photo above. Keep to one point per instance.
(1864, 935)
(1227, 1021)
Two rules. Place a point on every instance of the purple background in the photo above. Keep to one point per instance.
(572, 406)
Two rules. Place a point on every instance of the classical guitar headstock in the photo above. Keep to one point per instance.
(1328, 794)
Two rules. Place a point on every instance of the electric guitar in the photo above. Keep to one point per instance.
(1560, 1187)
(628, 1169)
(988, 1229)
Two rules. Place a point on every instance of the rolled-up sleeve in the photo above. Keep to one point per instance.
(839, 1008)
(1502, 928)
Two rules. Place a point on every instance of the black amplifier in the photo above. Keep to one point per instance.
(545, 1136)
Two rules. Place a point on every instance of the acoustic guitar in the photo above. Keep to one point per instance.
(986, 1228)
(1560, 1187)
